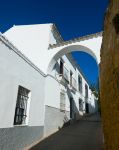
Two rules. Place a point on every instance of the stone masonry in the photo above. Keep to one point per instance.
(110, 77)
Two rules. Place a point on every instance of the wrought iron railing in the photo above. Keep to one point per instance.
(74, 84)
(86, 99)
(66, 73)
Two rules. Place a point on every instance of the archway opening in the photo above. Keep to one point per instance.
(66, 69)
(88, 65)
(70, 49)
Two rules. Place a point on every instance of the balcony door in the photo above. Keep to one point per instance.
(61, 67)
(87, 108)
(71, 78)
(71, 108)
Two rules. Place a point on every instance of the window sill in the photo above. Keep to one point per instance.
(21, 125)
(62, 110)
(80, 92)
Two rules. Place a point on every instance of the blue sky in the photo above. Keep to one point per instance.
(74, 18)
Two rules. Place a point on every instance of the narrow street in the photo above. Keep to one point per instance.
(84, 135)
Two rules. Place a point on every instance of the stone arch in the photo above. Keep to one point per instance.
(69, 49)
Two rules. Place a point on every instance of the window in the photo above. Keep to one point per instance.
(71, 107)
(21, 106)
(86, 91)
(61, 67)
(71, 74)
(62, 101)
(80, 83)
(80, 104)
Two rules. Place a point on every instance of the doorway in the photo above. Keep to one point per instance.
(71, 108)
(87, 108)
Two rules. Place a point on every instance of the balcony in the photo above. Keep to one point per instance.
(86, 99)
(66, 73)
(73, 84)
(64, 76)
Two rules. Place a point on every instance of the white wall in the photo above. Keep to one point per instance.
(32, 40)
(53, 89)
(15, 71)
(52, 94)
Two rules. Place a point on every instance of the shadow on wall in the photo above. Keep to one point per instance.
(74, 110)
(76, 115)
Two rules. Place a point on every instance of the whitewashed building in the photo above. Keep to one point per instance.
(41, 86)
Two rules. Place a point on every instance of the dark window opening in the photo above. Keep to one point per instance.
(87, 107)
(61, 67)
(86, 91)
(80, 104)
(80, 84)
(71, 107)
(71, 77)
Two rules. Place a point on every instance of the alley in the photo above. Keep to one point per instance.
(86, 134)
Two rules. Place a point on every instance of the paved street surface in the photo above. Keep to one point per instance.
(84, 135)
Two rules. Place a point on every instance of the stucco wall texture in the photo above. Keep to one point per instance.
(19, 137)
(54, 120)
(110, 77)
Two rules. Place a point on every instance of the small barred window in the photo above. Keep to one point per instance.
(62, 101)
(21, 106)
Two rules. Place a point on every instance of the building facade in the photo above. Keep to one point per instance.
(35, 104)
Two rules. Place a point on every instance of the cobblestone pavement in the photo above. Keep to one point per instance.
(86, 134)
